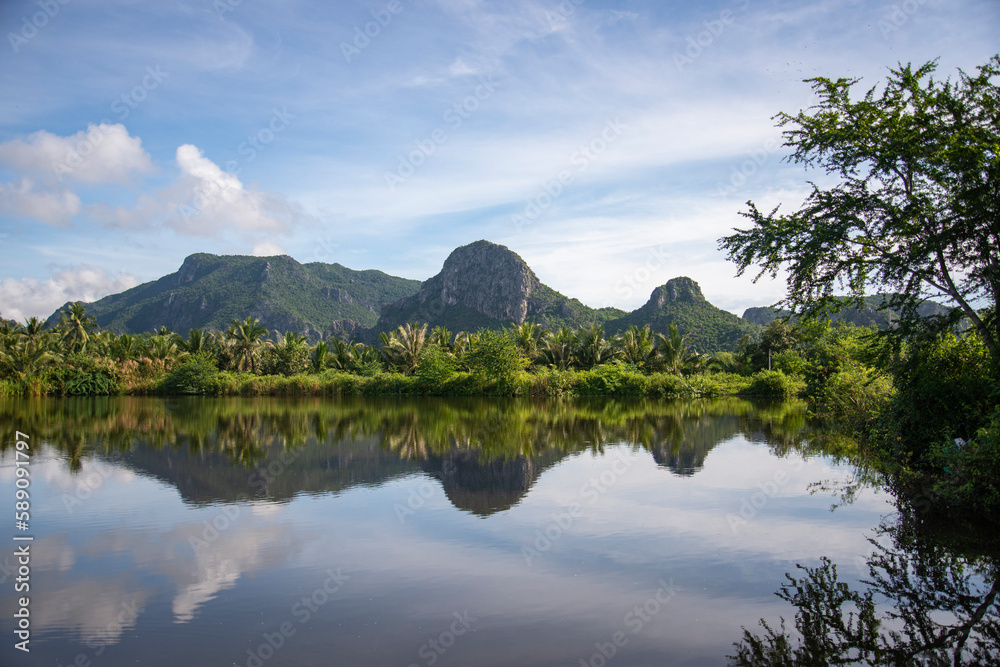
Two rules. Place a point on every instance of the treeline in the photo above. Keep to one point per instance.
(76, 357)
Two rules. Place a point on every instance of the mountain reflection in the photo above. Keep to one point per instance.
(486, 453)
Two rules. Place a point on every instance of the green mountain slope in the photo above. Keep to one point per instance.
(209, 291)
(681, 303)
(485, 285)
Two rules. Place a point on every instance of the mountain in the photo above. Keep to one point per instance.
(209, 291)
(485, 285)
(867, 316)
(681, 303)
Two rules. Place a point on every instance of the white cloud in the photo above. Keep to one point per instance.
(22, 200)
(266, 248)
(208, 201)
(26, 297)
(101, 154)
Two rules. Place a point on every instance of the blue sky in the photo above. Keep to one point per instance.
(610, 144)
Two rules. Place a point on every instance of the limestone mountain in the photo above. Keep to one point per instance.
(485, 285)
(209, 291)
(681, 303)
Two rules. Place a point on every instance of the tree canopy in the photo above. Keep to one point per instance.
(915, 211)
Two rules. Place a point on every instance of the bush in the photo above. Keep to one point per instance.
(855, 392)
(85, 377)
(197, 375)
(970, 473)
(789, 362)
(434, 368)
(772, 383)
(611, 380)
(496, 358)
(945, 391)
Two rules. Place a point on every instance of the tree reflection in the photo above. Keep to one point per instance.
(927, 601)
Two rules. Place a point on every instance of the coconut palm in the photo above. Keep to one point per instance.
(672, 351)
(199, 341)
(246, 340)
(636, 346)
(557, 348)
(77, 327)
(34, 328)
(442, 338)
(592, 348)
(528, 336)
(403, 346)
(24, 358)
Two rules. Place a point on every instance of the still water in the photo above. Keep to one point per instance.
(443, 532)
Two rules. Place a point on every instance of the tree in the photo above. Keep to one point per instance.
(495, 357)
(672, 351)
(403, 346)
(916, 211)
(77, 326)
(245, 340)
(592, 348)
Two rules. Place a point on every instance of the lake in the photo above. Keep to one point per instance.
(203, 531)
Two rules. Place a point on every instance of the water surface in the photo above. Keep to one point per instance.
(418, 532)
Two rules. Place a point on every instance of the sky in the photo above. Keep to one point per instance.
(609, 144)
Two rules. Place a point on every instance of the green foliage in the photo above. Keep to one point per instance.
(197, 375)
(971, 471)
(611, 380)
(788, 362)
(945, 390)
(434, 369)
(772, 383)
(915, 209)
(85, 376)
(494, 356)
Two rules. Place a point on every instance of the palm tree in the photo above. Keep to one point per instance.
(592, 348)
(528, 336)
(672, 351)
(25, 358)
(246, 340)
(403, 346)
(199, 340)
(77, 327)
(558, 347)
(442, 338)
(34, 328)
(636, 346)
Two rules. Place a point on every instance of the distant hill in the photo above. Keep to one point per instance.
(485, 285)
(681, 303)
(864, 317)
(209, 291)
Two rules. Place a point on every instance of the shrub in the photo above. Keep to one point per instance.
(197, 375)
(771, 383)
(611, 380)
(434, 368)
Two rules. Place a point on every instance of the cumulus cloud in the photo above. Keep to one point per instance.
(208, 201)
(22, 200)
(27, 297)
(102, 154)
(266, 248)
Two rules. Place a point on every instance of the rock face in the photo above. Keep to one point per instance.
(484, 276)
(677, 289)
(484, 284)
